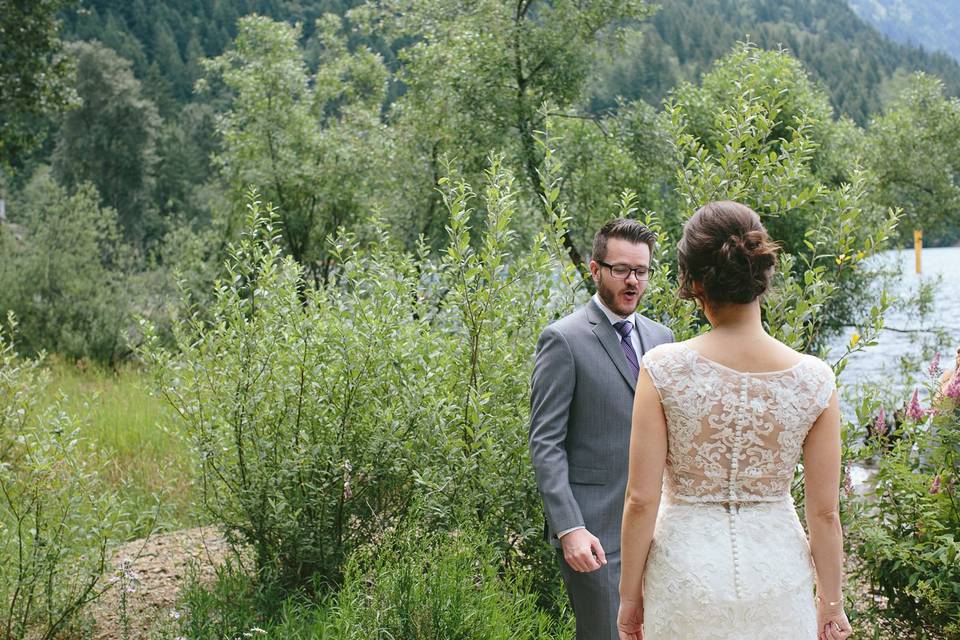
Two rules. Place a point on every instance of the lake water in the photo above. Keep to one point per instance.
(881, 363)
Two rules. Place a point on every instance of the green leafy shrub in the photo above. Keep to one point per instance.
(56, 518)
(318, 415)
(283, 404)
(908, 543)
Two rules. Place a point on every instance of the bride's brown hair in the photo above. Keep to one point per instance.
(726, 249)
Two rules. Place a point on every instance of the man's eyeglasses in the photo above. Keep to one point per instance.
(622, 271)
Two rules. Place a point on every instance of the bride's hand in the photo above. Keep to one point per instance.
(832, 623)
(630, 620)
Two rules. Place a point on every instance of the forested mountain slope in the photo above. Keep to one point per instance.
(165, 41)
(853, 61)
(934, 26)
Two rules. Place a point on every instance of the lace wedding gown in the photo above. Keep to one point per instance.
(729, 558)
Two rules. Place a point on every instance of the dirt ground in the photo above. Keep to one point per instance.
(150, 574)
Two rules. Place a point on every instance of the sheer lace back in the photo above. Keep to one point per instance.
(734, 437)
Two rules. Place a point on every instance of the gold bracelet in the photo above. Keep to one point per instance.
(832, 604)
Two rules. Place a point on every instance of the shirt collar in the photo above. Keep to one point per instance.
(611, 316)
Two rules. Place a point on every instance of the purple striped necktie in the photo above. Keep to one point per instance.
(625, 328)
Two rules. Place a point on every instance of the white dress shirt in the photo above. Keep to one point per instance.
(615, 318)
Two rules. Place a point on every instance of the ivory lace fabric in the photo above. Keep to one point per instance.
(729, 557)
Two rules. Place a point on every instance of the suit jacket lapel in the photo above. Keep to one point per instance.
(611, 342)
(643, 332)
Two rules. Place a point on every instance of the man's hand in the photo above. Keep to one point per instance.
(582, 551)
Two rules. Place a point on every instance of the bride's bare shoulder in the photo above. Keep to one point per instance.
(784, 349)
(753, 353)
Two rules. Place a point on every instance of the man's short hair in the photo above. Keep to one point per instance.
(624, 229)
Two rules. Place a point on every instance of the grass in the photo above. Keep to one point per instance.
(142, 454)
(413, 584)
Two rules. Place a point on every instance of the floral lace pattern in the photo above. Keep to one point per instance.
(733, 436)
(729, 557)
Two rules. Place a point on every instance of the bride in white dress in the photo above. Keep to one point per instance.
(712, 548)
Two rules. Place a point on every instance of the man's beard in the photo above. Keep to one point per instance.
(610, 298)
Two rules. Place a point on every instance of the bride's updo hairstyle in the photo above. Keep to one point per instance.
(726, 249)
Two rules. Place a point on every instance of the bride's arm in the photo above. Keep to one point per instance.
(821, 470)
(648, 452)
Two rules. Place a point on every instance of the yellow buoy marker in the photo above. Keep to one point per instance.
(918, 246)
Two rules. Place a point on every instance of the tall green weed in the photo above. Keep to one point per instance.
(57, 518)
(413, 585)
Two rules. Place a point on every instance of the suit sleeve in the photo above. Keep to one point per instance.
(552, 385)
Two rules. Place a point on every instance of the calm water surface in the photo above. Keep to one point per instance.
(881, 363)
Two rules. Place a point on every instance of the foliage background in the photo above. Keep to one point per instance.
(331, 232)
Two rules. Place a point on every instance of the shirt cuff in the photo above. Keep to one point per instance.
(566, 531)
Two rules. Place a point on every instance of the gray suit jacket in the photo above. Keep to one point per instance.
(581, 404)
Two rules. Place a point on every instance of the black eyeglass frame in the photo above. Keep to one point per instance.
(635, 271)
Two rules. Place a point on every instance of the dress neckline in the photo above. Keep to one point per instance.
(737, 371)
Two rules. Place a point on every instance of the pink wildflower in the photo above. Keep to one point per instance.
(847, 482)
(914, 412)
(934, 369)
(953, 389)
(880, 426)
(935, 485)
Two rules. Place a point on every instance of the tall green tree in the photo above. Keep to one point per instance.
(314, 144)
(757, 131)
(477, 73)
(65, 277)
(32, 73)
(185, 147)
(110, 139)
(913, 149)
(167, 56)
(773, 85)
(599, 157)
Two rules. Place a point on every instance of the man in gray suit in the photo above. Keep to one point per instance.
(581, 404)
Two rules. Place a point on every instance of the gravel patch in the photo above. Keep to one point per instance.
(149, 574)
